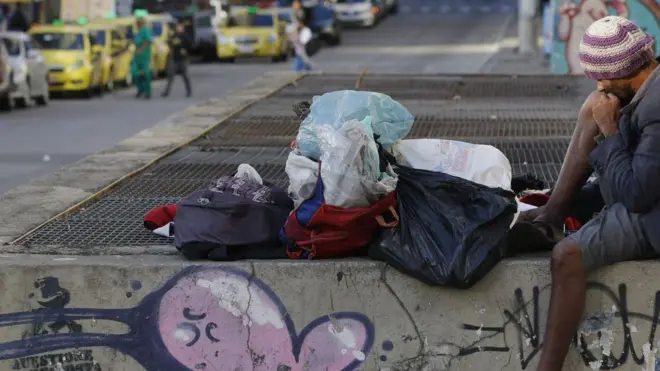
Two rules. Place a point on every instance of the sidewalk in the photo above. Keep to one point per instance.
(508, 61)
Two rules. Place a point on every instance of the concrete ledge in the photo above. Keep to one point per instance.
(28, 206)
(158, 313)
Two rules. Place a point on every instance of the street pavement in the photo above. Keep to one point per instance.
(38, 141)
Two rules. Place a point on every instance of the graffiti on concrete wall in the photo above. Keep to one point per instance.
(215, 318)
(596, 339)
(573, 17)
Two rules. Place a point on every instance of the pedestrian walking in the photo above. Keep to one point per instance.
(141, 67)
(300, 36)
(178, 63)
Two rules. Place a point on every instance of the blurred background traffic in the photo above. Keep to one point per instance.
(87, 50)
(80, 52)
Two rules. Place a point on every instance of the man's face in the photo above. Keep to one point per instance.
(621, 88)
(179, 27)
(140, 22)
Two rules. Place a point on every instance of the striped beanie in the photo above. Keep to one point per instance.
(613, 48)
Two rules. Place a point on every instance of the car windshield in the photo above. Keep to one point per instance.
(99, 36)
(156, 28)
(13, 47)
(252, 20)
(59, 41)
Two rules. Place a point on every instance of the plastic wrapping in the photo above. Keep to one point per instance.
(451, 232)
(479, 163)
(303, 174)
(390, 120)
(350, 165)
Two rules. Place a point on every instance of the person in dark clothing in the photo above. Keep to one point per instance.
(618, 137)
(179, 47)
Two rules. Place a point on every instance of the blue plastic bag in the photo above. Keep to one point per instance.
(391, 121)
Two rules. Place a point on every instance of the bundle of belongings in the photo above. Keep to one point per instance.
(439, 210)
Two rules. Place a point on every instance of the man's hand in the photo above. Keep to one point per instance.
(606, 113)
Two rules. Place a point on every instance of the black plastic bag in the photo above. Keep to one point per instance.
(451, 231)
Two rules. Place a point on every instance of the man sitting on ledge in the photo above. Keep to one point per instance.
(618, 137)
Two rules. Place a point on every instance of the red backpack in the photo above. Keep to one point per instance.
(318, 230)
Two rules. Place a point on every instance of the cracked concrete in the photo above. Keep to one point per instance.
(492, 326)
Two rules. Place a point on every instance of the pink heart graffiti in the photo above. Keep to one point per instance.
(224, 319)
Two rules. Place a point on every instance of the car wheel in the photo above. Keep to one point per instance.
(128, 80)
(334, 40)
(22, 102)
(6, 103)
(110, 86)
(44, 98)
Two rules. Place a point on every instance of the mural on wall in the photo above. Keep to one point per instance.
(215, 318)
(573, 17)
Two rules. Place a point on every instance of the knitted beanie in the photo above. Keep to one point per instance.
(613, 48)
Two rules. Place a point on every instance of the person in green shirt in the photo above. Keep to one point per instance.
(141, 66)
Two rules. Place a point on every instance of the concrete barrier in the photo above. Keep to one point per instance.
(156, 313)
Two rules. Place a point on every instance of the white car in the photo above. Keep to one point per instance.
(358, 12)
(29, 69)
(364, 13)
(6, 103)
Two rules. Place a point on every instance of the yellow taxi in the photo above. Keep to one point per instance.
(129, 28)
(74, 60)
(160, 31)
(117, 53)
(253, 34)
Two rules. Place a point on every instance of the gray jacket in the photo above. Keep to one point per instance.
(628, 163)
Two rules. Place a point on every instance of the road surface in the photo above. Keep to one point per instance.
(38, 141)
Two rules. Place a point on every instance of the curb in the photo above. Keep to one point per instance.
(29, 207)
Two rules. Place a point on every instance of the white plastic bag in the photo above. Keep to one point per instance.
(350, 165)
(390, 120)
(478, 163)
(246, 171)
(302, 173)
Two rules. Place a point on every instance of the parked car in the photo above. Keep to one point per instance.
(320, 17)
(160, 31)
(30, 72)
(261, 34)
(73, 59)
(365, 13)
(391, 6)
(118, 49)
(6, 103)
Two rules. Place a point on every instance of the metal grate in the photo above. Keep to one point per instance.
(433, 127)
(119, 208)
(78, 233)
(279, 131)
(276, 131)
(230, 155)
(541, 151)
(546, 172)
(529, 118)
(446, 87)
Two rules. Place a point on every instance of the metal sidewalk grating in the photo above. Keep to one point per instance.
(530, 119)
